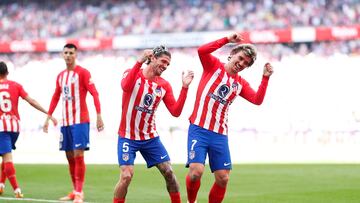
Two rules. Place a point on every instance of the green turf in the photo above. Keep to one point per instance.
(267, 183)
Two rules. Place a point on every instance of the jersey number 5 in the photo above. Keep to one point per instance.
(5, 102)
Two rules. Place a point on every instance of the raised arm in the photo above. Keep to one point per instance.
(208, 61)
(175, 107)
(129, 76)
(257, 97)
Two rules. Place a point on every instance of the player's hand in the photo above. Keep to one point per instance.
(54, 121)
(268, 70)
(235, 38)
(99, 123)
(146, 55)
(187, 78)
(46, 125)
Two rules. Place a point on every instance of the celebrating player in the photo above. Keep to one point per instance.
(72, 84)
(143, 89)
(218, 87)
(10, 91)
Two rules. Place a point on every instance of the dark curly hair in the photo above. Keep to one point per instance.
(159, 51)
(3, 68)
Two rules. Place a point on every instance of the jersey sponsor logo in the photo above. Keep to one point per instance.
(192, 154)
(142, 109)
(227, 164)
(67, 97)
(148, 100)
(163, 157)
(125, 156)
(221, 94)
(66, 89)
(217, 98)
(223, 91)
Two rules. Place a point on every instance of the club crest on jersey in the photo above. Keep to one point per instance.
(125, 156)
(158, 91)
(192, 154)
(235, 86)
(73, 79)
(223, 91)
(148, 100)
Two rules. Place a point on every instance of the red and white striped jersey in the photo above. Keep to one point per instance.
(217, 90)
(72, 86)
(10, 92)
(140, 99)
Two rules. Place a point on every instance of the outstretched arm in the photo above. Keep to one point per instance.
(37, 106)
(175, 107)
(54, 101)
(129, 76)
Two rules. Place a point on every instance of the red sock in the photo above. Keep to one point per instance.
(118, 200)
(2, 175)
(10, 174)
(71, 161)
(192, 189)
(216, 194)
(79, 173)
(175, 197)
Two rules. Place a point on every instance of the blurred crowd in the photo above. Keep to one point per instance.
(273, 52)
(38, 19)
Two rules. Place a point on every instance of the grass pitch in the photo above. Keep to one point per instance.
(253, 183)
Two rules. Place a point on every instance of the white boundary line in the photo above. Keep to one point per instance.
(34, 200)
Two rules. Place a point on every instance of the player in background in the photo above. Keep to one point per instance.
(10, 91)
(219, 85)
(143, 90)
(72, 85)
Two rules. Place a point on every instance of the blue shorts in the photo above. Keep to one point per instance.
(152, 150)
(75, 137)
(201, 142)
(7, 141)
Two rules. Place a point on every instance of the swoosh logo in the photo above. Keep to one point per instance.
(227, 164)
(163, 157)
(77, 145)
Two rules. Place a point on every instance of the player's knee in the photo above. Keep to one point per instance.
(169, 174)
(222, 180)
(195, 174)
(126, 177)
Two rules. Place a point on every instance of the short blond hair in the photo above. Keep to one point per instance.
(248, 49)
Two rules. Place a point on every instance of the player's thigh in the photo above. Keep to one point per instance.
(66, 139)
(198, 142)
(154, 152)
(7, 142)
(219, 153)
(80, 134)
(126, 151)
